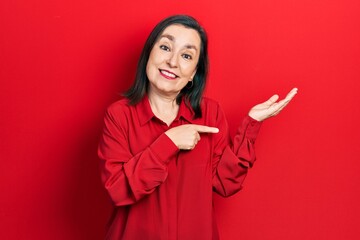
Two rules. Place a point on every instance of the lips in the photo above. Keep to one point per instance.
(168, 74)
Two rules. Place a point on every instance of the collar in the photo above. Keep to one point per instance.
(145, 113)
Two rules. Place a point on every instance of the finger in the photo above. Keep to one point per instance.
(190, 148)
(281, 108)
(197, 137)
(278, 111)
(287, 99)
(205, 129)
(277, 107)
(272, 100)
(294, 90)
(291, 94)
(283, 103)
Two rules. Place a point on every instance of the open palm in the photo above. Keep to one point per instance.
(271, 108)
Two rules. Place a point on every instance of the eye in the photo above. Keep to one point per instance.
(164, 47)
(187, 56)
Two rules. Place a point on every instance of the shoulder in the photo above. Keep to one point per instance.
(209, 103)
(118, 106)
(210, 106)
(119, 110)
(212, 111)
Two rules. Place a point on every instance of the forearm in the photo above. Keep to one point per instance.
(129, 178)
(231, 166)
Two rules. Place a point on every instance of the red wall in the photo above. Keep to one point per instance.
(62, 62)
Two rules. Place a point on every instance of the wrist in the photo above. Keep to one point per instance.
(256, 118)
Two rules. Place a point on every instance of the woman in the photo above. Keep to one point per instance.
(165, 148)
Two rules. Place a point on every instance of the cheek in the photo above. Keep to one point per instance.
(189, 69)
(151, 74)
(150, 67)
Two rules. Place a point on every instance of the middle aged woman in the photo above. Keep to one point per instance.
(165, 148)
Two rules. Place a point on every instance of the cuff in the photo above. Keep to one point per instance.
(251, 127)
(164, 148)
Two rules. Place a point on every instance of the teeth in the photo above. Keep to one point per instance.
(168, 74)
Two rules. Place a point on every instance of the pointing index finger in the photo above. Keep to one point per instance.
(205, 129)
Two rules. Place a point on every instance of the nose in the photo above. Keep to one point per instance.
(172, 60)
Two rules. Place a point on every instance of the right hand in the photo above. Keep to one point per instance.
(186, 136)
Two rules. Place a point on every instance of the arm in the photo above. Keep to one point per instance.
(232, 161)
(128, 177)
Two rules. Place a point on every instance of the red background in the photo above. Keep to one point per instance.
(62, 62)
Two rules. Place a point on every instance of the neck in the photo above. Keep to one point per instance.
(164, 107)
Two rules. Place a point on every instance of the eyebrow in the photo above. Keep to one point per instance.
(171, 38)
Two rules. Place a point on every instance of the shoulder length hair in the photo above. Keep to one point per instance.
(193, 95)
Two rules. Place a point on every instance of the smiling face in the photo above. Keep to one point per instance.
(173, 60)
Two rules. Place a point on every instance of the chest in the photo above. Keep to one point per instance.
(142, 137)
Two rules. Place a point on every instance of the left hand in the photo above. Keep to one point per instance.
(271, 108)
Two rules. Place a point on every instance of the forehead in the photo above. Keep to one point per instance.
(182, 35)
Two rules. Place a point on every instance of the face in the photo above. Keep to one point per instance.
(173, 60)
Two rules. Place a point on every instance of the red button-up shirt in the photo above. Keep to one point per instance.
(159, 191)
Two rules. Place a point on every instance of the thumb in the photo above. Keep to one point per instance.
(272, 100)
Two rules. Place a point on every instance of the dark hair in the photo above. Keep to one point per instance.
(191, 95)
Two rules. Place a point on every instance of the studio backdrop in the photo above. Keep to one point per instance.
(63, 62)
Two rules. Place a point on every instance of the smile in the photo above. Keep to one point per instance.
(167, 74)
